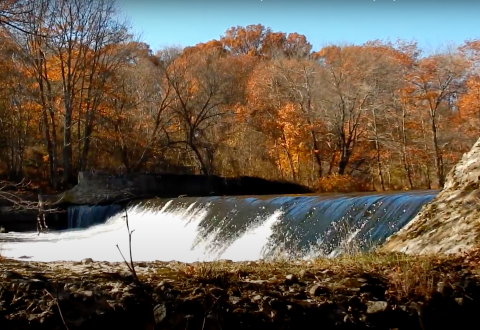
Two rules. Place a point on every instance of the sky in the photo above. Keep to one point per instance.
(432, 23)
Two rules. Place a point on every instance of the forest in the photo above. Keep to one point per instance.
(79, 91)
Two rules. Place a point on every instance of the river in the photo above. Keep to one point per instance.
(236, 228)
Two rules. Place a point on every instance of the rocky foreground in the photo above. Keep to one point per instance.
(376, 291)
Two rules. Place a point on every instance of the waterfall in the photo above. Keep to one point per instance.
(84, 216)
(236, 228)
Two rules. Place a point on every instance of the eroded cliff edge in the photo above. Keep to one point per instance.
(451, 221)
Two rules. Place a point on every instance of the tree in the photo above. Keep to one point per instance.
(17, 109)
(72, 53)
(346, 93)
(282, 104)
(436, 80)
(469, 101)
(257, 40)
(205, 93)
(133, 117)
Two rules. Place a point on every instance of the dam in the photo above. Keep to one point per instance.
(237, 228)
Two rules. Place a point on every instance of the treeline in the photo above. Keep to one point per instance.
(78, 92)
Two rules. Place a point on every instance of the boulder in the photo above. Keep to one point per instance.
(450, 222)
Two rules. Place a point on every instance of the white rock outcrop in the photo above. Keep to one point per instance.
(450, 223)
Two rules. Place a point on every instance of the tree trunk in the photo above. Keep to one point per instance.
(67, 145)
(344, 159)
(404, 150)
(425, 147)
(377, 151)
(438, 154)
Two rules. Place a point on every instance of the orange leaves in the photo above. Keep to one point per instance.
(244, 40)
(340, 183)
(471, 51)
(469, 103)
(256, 40)
(329, 54)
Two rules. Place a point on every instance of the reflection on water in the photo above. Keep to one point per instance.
(236, 228)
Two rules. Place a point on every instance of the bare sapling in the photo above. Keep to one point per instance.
(130, 266)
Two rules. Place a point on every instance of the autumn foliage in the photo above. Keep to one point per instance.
(77, 92)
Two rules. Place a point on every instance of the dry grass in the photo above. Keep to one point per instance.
(404, 275)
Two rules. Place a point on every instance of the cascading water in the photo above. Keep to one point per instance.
(235, 228)
(85, 216)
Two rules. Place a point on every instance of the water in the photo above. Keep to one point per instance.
(87, 216)
(236, 228)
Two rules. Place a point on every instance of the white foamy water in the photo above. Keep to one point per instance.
(166, 234)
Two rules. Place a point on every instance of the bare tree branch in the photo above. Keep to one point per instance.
(12, 192)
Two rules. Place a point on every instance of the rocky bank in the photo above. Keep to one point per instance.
(451, 222)
(374, 292)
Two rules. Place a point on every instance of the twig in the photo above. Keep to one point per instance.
(216, 299)
(124, 259)
(58, 306)
(130, 244)
(131, 267)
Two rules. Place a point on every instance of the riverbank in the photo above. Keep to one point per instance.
(380, 291)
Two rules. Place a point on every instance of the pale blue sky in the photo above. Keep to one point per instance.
(188, 22)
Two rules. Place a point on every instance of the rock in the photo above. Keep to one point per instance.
(318, 290)
(448, 224)
(441, 287)
(10, 275)
(374, 307)
(300, 295)
(87, 293)
(87, 261)
(234, 300)
(351, 283)
(377, 291)
(2, 230)
(159, 313)
(290, 279)
(305, 274)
